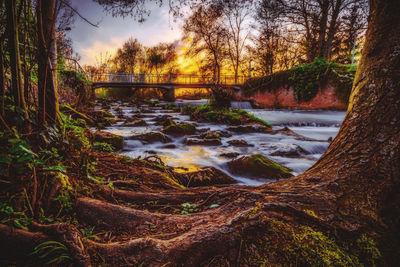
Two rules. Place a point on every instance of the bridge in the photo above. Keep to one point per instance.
(166, 82)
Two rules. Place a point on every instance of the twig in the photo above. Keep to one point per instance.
(76, 12)
(29, 203)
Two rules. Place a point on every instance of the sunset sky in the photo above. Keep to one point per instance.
(89, 41)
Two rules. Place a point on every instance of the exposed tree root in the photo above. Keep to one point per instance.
(18, 243)
(70, 236)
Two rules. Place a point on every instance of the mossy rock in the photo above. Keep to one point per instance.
(107, 114)
(116, 141)
(180, 129)
(205, 176)
(211, 135)
(259, 166)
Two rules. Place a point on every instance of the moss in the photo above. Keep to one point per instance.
(114, 140)
(211, 135)
(103, 147)
(283, 243)
(267, 83)
(107, 114)
(259, 166)
(311, 213)
(180, 129)
(256, 210)
(366, 251)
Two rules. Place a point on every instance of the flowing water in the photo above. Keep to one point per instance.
(319, 125)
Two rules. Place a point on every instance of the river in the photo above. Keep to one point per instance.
(295, 154)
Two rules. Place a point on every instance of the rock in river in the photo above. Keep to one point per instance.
(239, 143)
(193, 141)
(151, 137)
(259, 166)
(250, 128)
(180, 129)
(134, 123)
(287, 150)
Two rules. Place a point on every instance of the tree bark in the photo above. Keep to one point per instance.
(324, 6)
(332, 30)
(13, 43)
(2, 77)
(48, 95)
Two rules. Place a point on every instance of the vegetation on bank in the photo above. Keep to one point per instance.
(230, 116)
(307, 79)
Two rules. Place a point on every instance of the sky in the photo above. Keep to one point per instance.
(89, 42)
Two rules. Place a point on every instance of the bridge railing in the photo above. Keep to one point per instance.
(164, 78)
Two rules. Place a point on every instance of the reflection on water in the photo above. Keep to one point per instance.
(299, 155)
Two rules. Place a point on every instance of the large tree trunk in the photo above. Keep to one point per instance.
(48, 95)
(352, 191)
(13, 43)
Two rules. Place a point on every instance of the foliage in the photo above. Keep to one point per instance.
(75, 131)
(268, 83)
(103, 147)
(52, 252)
(307, 78)
(18, 218)
(88, 233)
(188, 208)
(78, 83)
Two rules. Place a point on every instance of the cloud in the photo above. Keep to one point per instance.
(91, 53)
(112, 32)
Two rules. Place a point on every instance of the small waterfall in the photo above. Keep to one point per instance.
(241, 104)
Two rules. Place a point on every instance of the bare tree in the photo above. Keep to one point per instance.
(206, 29)
(236, 15)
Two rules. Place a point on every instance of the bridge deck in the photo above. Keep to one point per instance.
(162, 81)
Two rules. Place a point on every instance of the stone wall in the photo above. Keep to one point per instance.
(285, 98)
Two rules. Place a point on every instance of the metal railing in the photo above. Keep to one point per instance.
(143, 78)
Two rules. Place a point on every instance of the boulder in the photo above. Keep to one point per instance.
(259, 166)
(229, 155)
(205, 176)
(193, 141)
(116, 141)
(290, 132)
(151, 137)
(180, 129)
(288, 150)
(224, 133)
(160, 119)
(239, 143)
(250, 128)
